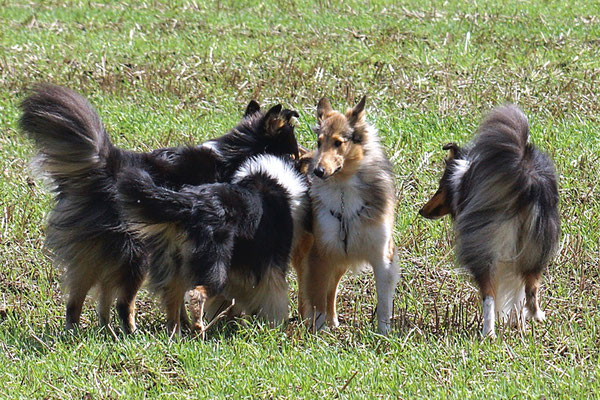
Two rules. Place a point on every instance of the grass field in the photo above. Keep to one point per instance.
(164, 75)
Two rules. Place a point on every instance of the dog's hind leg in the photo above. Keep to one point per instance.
(126, 302)
(386, 274)
(173, 295)
(184, 318)
(78, 286)
(272, 297)
(488, 294)
(532, 285)
(106, 296)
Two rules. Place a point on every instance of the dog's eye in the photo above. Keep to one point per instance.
(337, 143)
(319, 143)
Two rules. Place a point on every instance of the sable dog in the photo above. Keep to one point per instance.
(352, 198)
(502, 195)
(86, 232)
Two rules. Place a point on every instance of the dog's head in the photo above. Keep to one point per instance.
(441, 202)
(274, 129)
(340, 140)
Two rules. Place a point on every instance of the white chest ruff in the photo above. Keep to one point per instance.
(345, 226)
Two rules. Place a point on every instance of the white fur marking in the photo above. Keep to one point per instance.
(283, 173)
(460, 168)
(489, 317)
(212, 145)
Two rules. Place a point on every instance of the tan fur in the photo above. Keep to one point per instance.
(342, 140)
(173, 296)
(298, 260)
(198, 297)
(437, 206)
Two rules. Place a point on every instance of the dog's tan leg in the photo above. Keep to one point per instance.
(126, 303)
(332, 316)
(173, 295)
(184, 318)
(106, 296)
(299, 258)
(198, 298)
(316, 280)
(488, 294)
(532, 285)
(78, 286)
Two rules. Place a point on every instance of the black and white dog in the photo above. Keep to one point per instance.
(502, 194)
(228, 241)
(86, 232)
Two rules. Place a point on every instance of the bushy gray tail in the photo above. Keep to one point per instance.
(67, 132)
(502, 137)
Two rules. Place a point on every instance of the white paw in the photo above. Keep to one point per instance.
(335, 323)
(488, 332)
(539, 315)
(384, 328)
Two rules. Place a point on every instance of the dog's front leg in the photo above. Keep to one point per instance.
(386, 278)
(315, 284)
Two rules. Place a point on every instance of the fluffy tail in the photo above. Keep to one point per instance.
(502, 138)
(66, 130)
(518, 178)
(208, 207)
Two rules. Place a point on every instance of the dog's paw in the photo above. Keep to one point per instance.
(384, 328)
(539, 315)
(488, 332)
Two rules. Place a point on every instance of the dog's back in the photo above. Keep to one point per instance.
(507, 205)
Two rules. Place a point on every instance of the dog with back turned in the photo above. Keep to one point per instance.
(502, 195)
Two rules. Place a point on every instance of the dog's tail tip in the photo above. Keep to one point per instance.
(506, 123)
(66, 130)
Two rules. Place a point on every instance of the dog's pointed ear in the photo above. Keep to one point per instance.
(289, 114)
(452, 148)
(437, 207)
(357, 114)
(273, 121)
(252, 108)
(323, 109)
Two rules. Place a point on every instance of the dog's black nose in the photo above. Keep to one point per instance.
(319, 171)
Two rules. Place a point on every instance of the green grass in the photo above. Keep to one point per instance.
(164, 75)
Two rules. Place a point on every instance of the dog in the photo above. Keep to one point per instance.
(502, 195)
(352, 195)
(86, 232)
(227, 241)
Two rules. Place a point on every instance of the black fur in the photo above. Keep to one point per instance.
(86, 232)
(215, 219)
